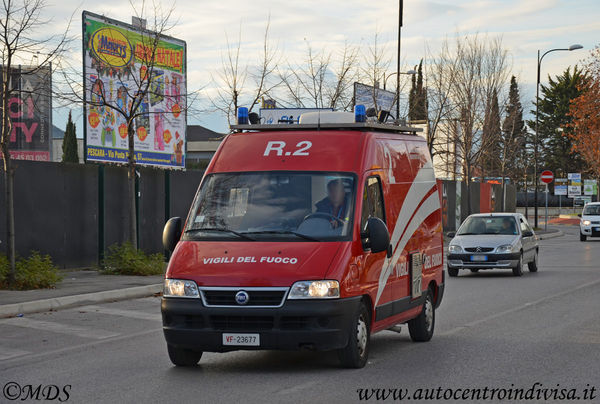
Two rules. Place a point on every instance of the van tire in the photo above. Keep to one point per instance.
(518, 270)
(183, 357)
(356, 352)
(533, 265)
(453, 272)
(582, 237)
(421, 328)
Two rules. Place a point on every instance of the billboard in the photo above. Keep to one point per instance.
(372, 97)
(270, 116)
(30, 113)
(574, 188)
(560, 186)
(590, 187)
(118, 63)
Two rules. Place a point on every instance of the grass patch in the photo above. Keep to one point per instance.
(125, 260)
(35, 272)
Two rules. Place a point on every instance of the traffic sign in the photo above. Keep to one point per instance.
(547, 176)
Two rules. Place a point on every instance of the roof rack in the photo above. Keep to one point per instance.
(358, 126)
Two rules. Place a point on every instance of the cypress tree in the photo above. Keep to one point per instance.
(69, 146)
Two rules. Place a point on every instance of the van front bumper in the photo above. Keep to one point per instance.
(464, 260)
(299, 324)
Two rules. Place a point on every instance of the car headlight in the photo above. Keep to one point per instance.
(315, 290)
(454, 249)
(180, 288)
(506, 248)
(586, 222)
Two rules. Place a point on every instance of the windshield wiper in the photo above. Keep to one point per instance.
(221, 229)
(304, 236)
(469, 234)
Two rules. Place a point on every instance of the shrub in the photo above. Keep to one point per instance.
(125, 260)
(35, 272)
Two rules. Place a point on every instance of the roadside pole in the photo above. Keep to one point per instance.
(546, 221)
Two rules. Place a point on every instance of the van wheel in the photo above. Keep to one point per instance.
(518, 270)
(453, 272)
(183, 357)
(356, 353)
(582, 237)
(533, 265)
(421, 327)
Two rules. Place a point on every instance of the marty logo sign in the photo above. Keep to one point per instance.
(111, 47)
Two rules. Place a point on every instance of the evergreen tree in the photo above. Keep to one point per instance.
(491, 138)
(417, 99)
(514, 135)
(554, 144)
(69, 146)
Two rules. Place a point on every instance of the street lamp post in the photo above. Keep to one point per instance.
(400, 12)
(385, 78)
(535, 141)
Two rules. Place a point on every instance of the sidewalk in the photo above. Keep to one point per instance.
(78, 288)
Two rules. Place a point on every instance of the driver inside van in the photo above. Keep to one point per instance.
(336, 203)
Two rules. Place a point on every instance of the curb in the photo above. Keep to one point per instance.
(551, 235)
(63, 302)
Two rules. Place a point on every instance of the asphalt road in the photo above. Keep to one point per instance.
(493, 330)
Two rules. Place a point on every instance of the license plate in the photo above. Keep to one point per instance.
(479, 258)
(241, 339)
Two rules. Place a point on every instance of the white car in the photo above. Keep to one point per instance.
(589, 225)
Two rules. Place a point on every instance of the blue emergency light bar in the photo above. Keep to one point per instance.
(360, 113)
(242, 116)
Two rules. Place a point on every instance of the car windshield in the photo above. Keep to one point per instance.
(592, 210)
(488, 225)
(268, 206)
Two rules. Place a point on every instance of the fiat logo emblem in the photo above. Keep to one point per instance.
(242, 297)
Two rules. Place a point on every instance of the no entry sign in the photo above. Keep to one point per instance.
(546, 176)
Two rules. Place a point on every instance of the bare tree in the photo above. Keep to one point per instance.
(233, 90)
(19, 22)
(135, 89)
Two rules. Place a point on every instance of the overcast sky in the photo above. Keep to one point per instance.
(525, 25)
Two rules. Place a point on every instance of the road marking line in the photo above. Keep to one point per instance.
(8, 353)
(78, 331)
(122, 313)
(518, 308)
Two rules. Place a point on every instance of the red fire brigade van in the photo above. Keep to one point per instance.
(287, 247)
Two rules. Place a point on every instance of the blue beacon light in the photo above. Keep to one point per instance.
(360, 113)
(242, 116)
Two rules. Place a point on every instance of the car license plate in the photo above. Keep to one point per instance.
(479, 258)
(241, 339)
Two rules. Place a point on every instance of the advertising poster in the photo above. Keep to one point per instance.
(118, 62)
(574, 188)
(372, 97)
(30, 113)
(590, 187)
(560, 186)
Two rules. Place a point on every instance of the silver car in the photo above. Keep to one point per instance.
(493, 241)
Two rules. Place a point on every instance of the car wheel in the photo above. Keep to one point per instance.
(421, 328)
(518, 270)
(582, 237)
(453, 272)
(533, 265)
(474, 270)
(356, 352)
(183, 357)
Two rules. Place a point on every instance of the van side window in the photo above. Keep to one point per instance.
(372, 201)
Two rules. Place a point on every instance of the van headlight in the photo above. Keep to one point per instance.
(180, 288)
(454, 249)
(315, 290)
(506, 248)
(586, 222)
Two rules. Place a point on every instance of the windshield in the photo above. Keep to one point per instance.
(592, 210)
(264, 206)
(488, 225)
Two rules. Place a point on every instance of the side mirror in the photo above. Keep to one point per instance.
(579, 214)
(171, 233)
(378, 235)
(527, 234)
(451, 234)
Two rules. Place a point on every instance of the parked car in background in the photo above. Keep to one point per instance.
(589, 226)
(493, 241)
